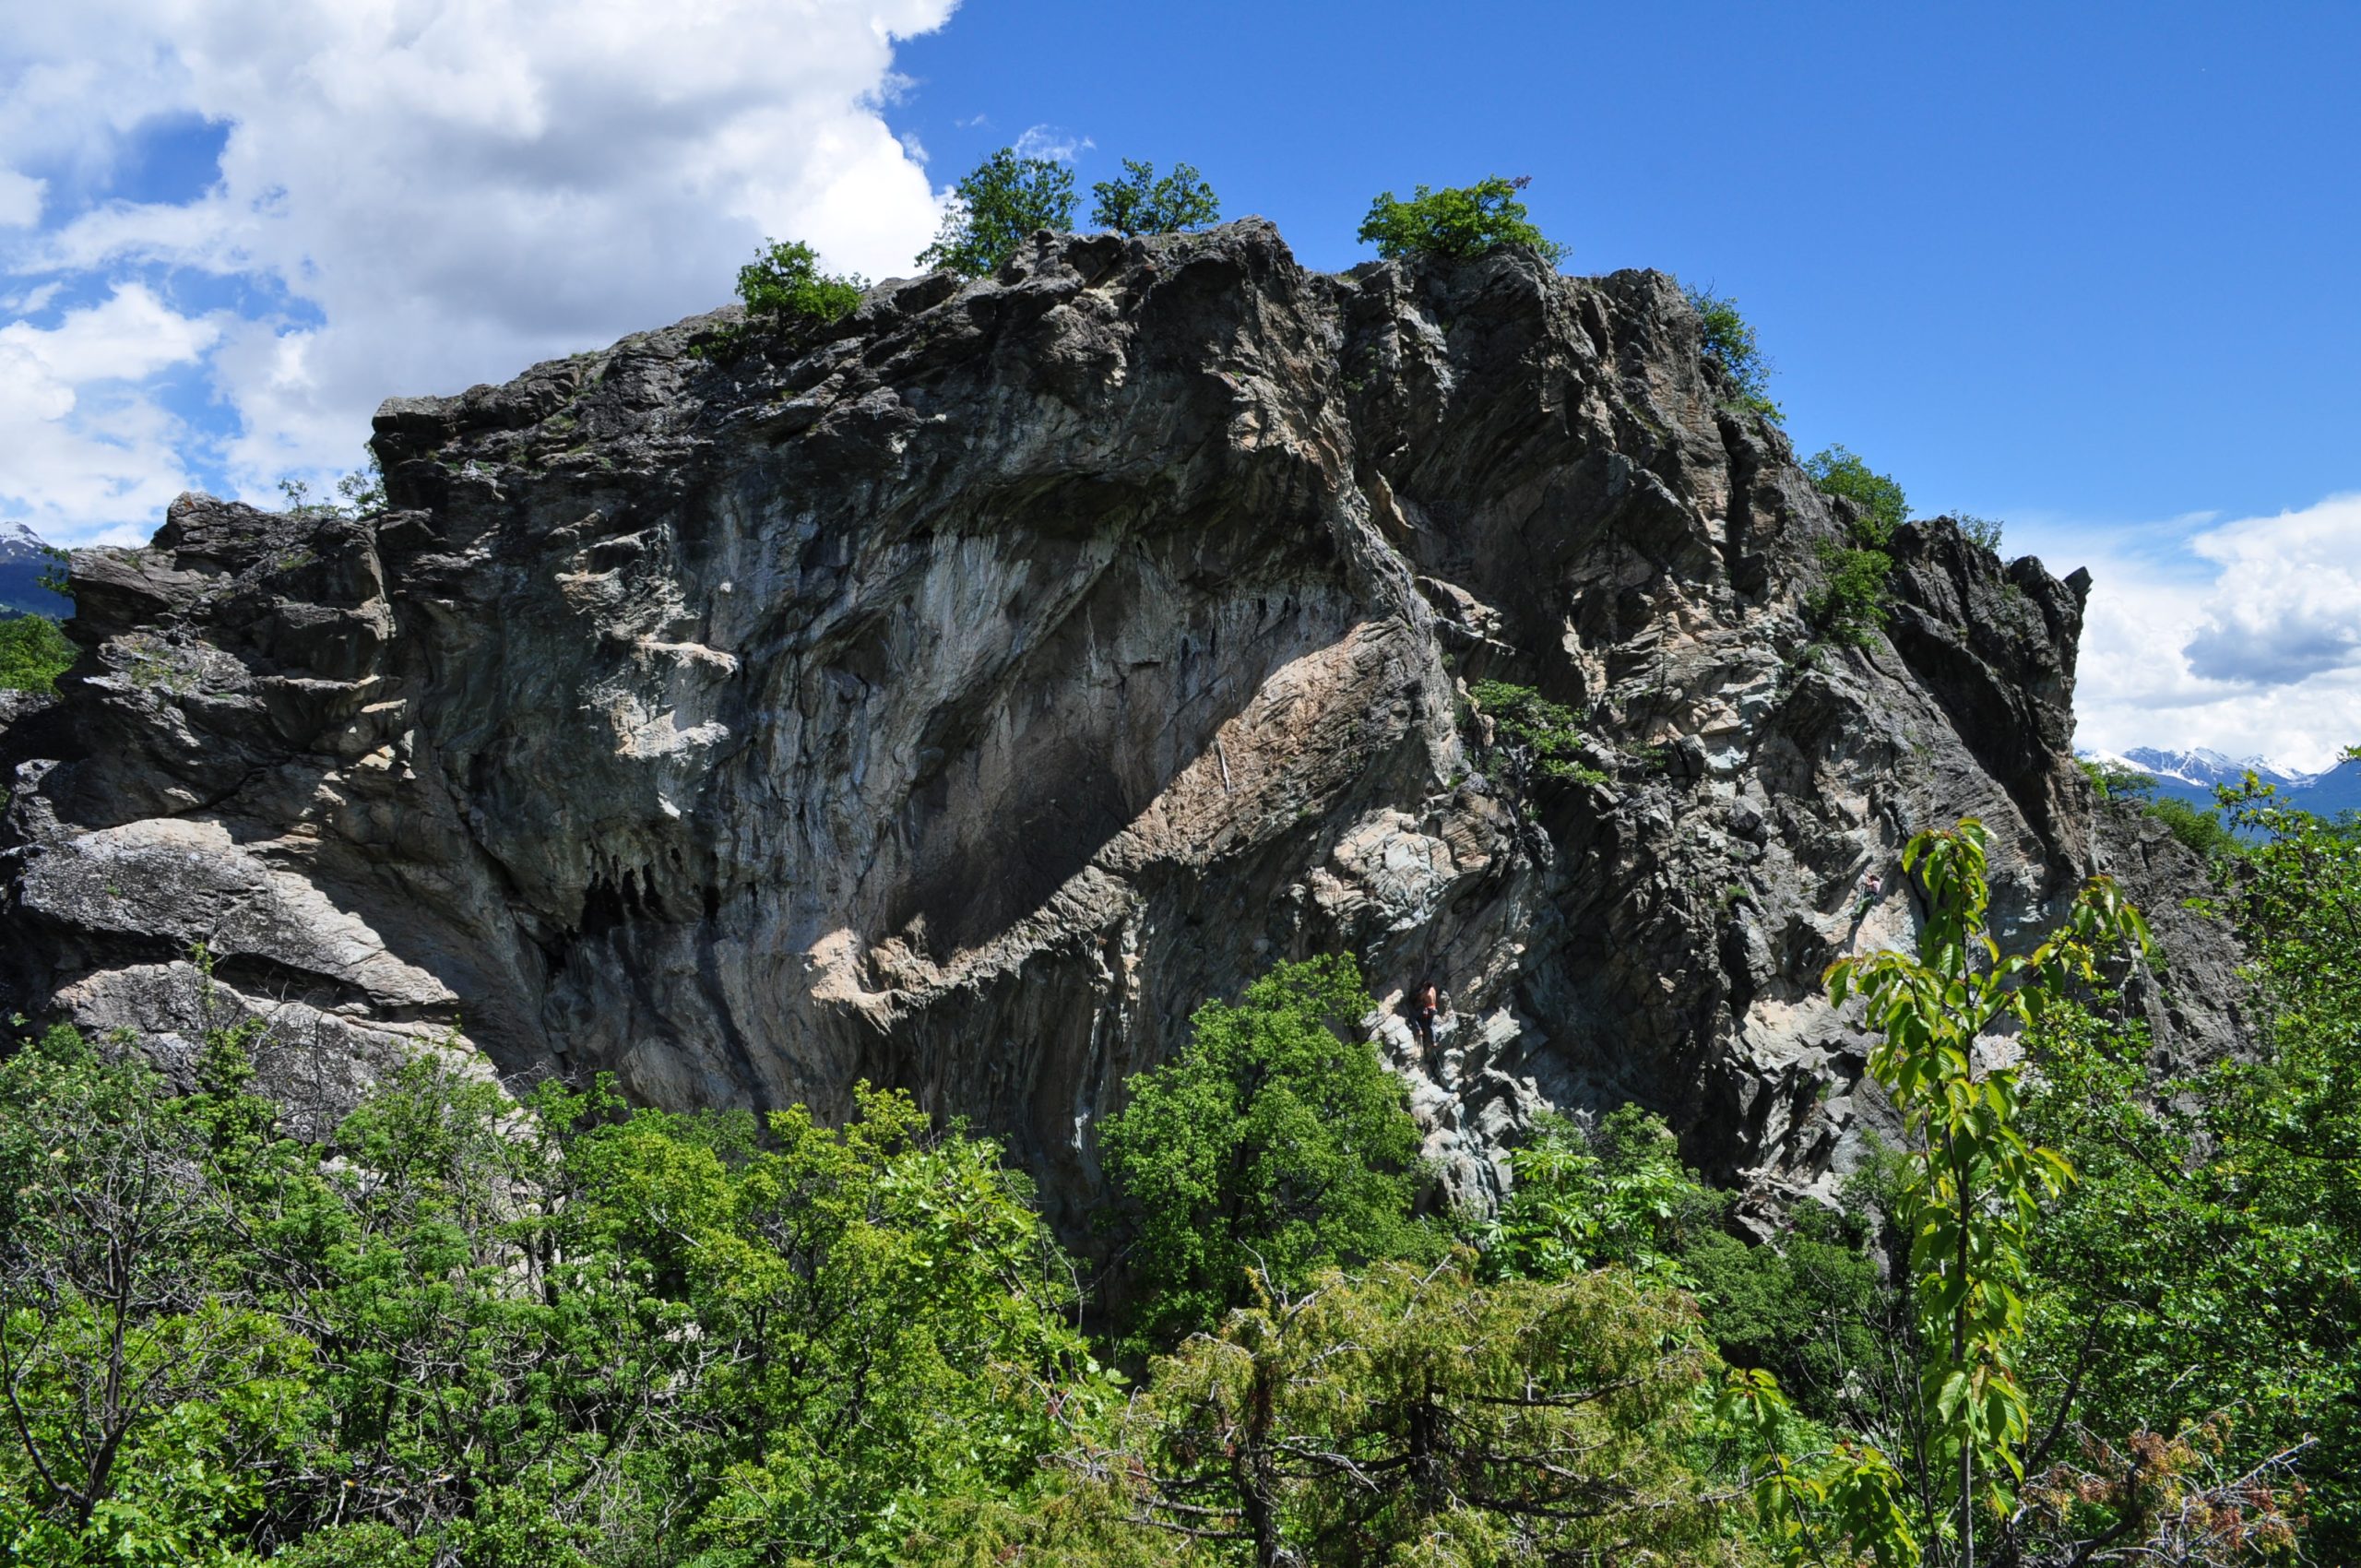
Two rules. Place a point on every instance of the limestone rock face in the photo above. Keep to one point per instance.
(957, 696)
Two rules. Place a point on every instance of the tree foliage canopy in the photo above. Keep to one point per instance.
(785, 281)
(1274, 1144)
(2080, 1314)
(1731, 346)
(1142, 203)
(33, 653)
(1456, 223)
(996, 207)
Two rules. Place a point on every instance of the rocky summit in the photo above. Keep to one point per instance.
(956, 694)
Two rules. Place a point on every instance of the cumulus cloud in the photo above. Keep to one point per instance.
(2245, 639)
(1051, 141)
(82, 442)
(439, 193)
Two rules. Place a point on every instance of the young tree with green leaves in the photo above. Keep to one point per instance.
(1456, 223)
(1612, 1194)
(1883, 505)
(1275, 1144)
(1851, 603)
(1414, 1413)
(1731, 346)
(996, 207)
(784, 281)
(2197, 1291)
(1142, 203)
(1972, 1181)
(33, 653)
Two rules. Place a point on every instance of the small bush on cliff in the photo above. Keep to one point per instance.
(1457, 223)
(2199, 827)
(1851, 605)
(996, 206)
(33, 654)
(784, 280)
(1730, 344)
(1276, 1142)
(1542, 738)
(1983, 531)
(1140, 203)
(1883, 508)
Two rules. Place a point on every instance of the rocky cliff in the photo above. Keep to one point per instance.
(955, 695)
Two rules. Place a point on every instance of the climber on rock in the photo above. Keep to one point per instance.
(1426, 1005)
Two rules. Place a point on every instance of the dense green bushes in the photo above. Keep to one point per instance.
(1140, 203)
(1731, 346)
(1850, 606)
(996, 207)
(466, 1334)
(1272, 1146)
(33, 654)
(785, 281)
(1456, 223)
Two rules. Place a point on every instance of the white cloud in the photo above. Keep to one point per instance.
(84, 442)
(19, 200)
(2249, 641)
(1049, 141)
(451, 189)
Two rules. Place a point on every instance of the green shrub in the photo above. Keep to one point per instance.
(2199, 827)
(33, 654)
(358, 495)
(785, 279)
(1984, 532)
(1457, 222)
(1275, 1140)
(1545, 737)
(1851, 605)
(1730, 344)
(995, 207)
(2115, 780)
(1139, 203)
(1586, 1197)
(1883, 506)
(1809, 1308)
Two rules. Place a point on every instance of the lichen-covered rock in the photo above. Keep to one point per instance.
(955, 695)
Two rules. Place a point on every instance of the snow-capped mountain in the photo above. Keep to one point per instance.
(24, 561)
(2192, 774)
(2204, 768)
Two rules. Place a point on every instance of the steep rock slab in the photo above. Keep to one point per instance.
(955, 695)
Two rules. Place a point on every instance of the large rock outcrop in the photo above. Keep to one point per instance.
(955, 695)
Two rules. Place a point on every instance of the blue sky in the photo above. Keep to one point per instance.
(2084, 268)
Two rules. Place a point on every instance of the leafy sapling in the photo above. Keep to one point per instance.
(1140, 203)
(1456, 223)
(995, 207)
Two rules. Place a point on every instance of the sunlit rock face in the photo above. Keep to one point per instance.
(957, 696)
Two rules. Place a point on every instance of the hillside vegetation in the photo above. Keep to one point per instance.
(2070, 1319)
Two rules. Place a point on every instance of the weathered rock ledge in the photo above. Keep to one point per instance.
(955, 695)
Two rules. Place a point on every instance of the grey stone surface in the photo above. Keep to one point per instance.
(957, 696)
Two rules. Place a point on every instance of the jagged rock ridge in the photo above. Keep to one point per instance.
(956, 694)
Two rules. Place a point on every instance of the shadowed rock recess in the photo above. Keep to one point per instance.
(957, 695)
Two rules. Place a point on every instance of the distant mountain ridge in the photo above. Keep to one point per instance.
(2193, 775)
(24, 561)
